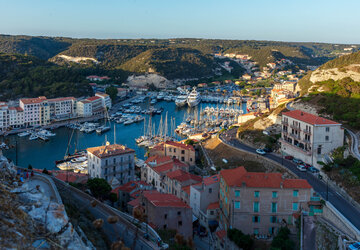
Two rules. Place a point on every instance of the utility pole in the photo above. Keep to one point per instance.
(301, 230)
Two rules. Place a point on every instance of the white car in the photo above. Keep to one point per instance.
(302, 168)
(260, 151)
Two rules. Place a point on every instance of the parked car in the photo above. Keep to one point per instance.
(297, 161)
(307, 166)
(354, 246)
(267, 150)
(301, 168)
(260, 151)
(313, 170)
(289, 157)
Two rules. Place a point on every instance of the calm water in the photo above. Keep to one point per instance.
(42, 154)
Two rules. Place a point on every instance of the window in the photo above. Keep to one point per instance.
(319, 150)
(114, 160)
(165, 216)
(190, 159)
(179, 213)
(174, 150)
(237, 193)
(274, 194)
(273, 219)
(295, 206)
(106, 162)
(211, 212)
(326, 138)
(274, 207)
(237, 204)
(169, 149)
(295, 193)
(256, 219)
(256, 207)
(327, 129)
(180, 223)
(256, 194)
(164, 226)
(182, 158)
(210, 190)
(183, 152)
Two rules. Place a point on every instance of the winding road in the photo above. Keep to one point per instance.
(326, 192)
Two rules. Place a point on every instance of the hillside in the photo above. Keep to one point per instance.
(28, 76)
(335, 86)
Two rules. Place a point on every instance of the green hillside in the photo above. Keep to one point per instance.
(342, 61)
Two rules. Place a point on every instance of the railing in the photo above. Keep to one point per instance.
(315, 198)
(296, 147)
(295, 127)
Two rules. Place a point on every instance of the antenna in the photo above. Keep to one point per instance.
(114, 134)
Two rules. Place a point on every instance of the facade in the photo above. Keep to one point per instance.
(202, 195)
(62, 108)
(260, 203)
(183, 152)
(84, 108)
(105, 99)
(16, 117)
(111, 162)
(309, 137)
(36, 111)
(4, 117)
(176, 180)
(166, 211)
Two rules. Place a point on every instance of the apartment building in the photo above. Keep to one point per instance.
(166, 211)
(84, 108)
(181, 151)
(36, 111)
(260, 203)
(16, 117)
(4, 117)
(105, 99)
(202, 195)
(309, 137)
(111, 162)
(176, 180)
(62, 108)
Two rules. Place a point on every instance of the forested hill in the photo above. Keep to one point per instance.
(28, 76)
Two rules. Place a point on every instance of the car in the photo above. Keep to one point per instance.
(267, 150)
(313, 170)
(301, 168)
(289, 157)
(260, 151)
(354, 246)
(297, 161)
(307, 166)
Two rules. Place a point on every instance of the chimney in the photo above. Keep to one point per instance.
(302, 113)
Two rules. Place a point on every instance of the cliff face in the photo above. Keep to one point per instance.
(352, 71)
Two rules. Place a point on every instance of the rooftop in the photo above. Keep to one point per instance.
(309, 118)
(213, 206)
(181, 175)
(109, 150)
(93, 98)
(164, 200)
(62, 99)
(160, 146)
(130, 186)
(39, 99)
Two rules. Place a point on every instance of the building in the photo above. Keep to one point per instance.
(202, 195)
(156, 169)
(16, 117)
(122, 92)
(181, 151)
(84, 108)
(309, 137)
(62, 108)
(166, 211)
(97, 107)
(176, 180)
(36, 111)
(105, 99)
(111, 162)
(129, 191)
(4, 117)
(260, 203)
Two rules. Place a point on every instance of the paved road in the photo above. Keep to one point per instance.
(342, 205)
(309, 233)
(355, 144)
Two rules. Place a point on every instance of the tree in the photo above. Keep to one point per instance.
(99, 187)
(112, 92)
(242, 240)
(282, 240)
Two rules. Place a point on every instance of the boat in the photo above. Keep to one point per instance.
(102, 129)
(194, 98)
(33, 137)
(46, 133)
(4, 146)
(23, 134)
(129, 121)
(181, 100)
(161, 96)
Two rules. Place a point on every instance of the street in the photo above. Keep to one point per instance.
(342, 205)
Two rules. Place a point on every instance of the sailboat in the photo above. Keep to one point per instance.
(104, 128)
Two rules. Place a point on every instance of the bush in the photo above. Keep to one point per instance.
(99, 187)
(242, 240)
(282, 241)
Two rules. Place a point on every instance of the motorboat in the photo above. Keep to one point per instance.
(194, 98)
(23, 134)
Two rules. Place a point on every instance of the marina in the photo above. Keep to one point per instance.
(42, 148)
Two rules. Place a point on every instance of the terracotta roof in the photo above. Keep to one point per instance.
(158, 159)
(71, 177)
(296, 183)
(186, 189)
(164, 200)
(130, 186)
(39, 99)
(93, 98)
(221, 234)
(101, 94)
(239, 176)
(18, 109)
(62, 99)
(160, 146)
(110, 150)
(309, 118)
(169, 166)
(213, 206)
(181, 175)
(134, 203)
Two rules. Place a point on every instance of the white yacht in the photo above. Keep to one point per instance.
(181, 99)
(194, 98)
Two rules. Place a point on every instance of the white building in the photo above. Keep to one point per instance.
(309, 137)
(62, 108)
(36, 111)
(4, 117)
(202, 195)
(84, 108)
(16, 117)
(111, 162)
(105, 99)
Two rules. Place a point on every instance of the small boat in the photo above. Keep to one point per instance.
(33, 137)
(23, 134)
(129, 121)
(194, 98)
(102, 129)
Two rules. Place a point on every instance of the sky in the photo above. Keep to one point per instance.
(279, 20)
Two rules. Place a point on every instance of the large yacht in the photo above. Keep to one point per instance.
(181, 99)
(194, 98)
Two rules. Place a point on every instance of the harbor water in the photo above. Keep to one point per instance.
(43, 154)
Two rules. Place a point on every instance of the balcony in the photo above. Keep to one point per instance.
(297, 136)
(307, 132)
(295, 147)
(295, 127)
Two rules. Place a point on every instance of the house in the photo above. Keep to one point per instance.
(181, 151)
(309, 137)
(122, 92)
(129, 191)
(112, 161)
(156, 169)
(105, 99)
(16, 117)
(202, 195)
(165, 211)
(260, 203)
(84, 108)
(62, 108)
(36, 111)
(246, 77)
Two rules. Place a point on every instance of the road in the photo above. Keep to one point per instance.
(326, 192)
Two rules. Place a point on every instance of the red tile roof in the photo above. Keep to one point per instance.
(62, 99)
(309, 118)
(213, 206)
(160, 146)
(40, 99)
(93, 98)
(134, 203)
(130, 186)
(238, 176)
(181, 175)
(109, 150)
(159, 159)
(186, 189)
(164, 200)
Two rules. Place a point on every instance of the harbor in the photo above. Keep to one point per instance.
(131, 121)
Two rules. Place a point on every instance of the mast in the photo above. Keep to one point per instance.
(165, 127)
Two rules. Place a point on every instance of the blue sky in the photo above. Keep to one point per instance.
(291, 20)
